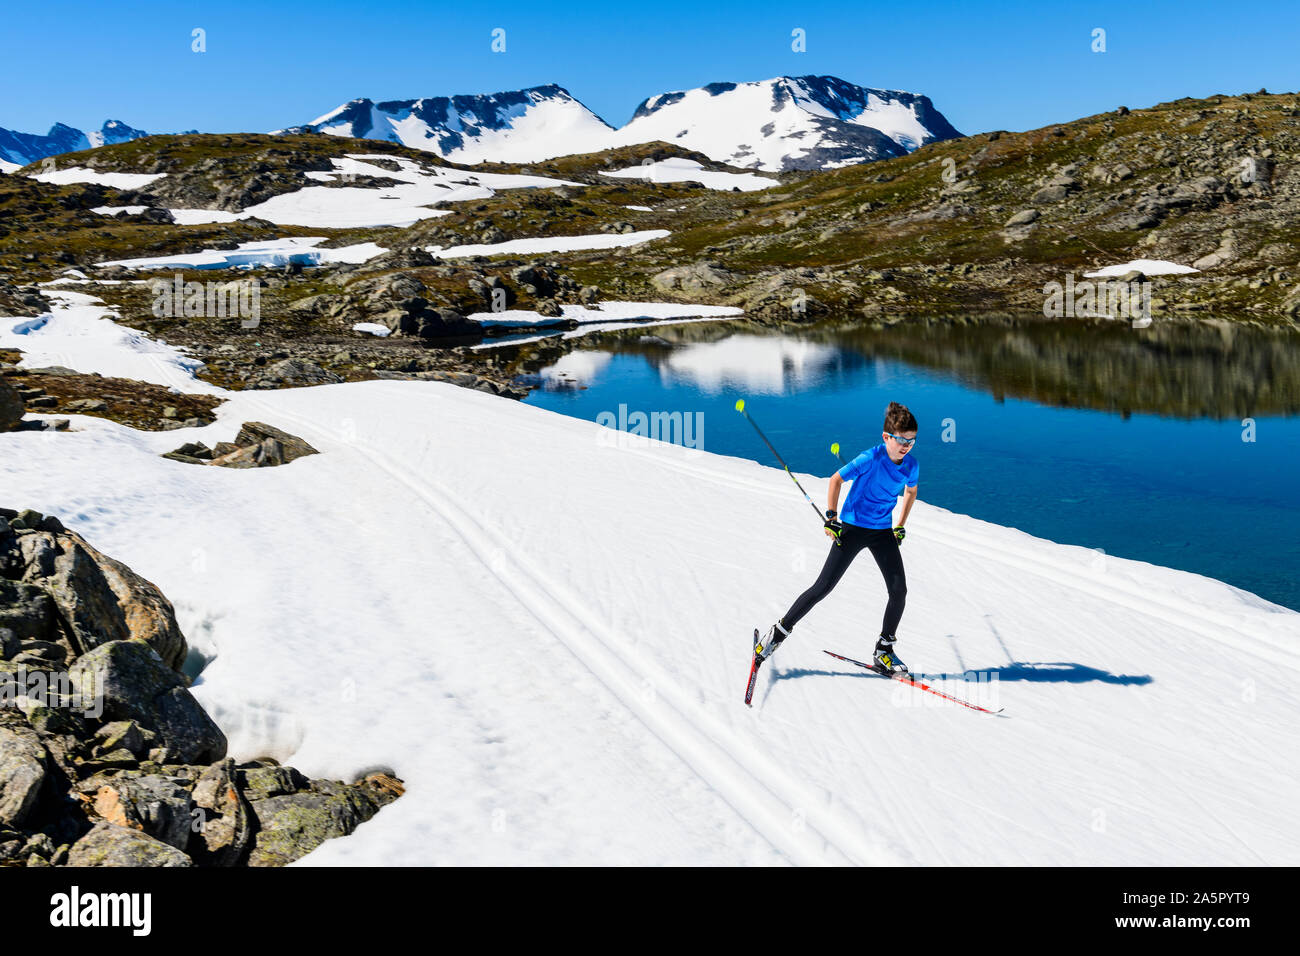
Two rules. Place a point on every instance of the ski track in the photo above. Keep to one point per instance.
(805, 819)
(749, 783)
(1115, 592)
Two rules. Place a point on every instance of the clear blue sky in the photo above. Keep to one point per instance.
(1011, 65)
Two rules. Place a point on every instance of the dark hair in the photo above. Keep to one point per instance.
(898, 418)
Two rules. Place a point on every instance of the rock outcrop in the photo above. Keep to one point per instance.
(257, 445)
(106, 758)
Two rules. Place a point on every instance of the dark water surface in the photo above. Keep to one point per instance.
(1091, 434)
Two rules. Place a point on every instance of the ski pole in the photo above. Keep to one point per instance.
(740, 407)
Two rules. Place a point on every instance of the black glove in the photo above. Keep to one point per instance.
(900, 534)
(833, 525)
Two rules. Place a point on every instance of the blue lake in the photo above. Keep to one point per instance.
(1178, 445)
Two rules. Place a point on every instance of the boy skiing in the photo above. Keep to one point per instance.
(878, 476)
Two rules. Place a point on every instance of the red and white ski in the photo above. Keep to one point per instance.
(753, 674)
(908, 680)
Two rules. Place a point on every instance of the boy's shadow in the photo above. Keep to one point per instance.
(1043, 672)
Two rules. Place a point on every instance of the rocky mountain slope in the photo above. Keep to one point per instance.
(789, 122)
(801, 122)
(23, 148)
(962, 226)
(517, 126)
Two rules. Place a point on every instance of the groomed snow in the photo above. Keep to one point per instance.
(1149, 267)
(77, 174)
(676, 170)
(273, 252)
(535, 621)
(540, 244)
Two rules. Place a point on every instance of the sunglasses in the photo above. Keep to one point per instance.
(905, 442)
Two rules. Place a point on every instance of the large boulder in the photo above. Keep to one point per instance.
(291, 446)
(108, 844)
(694, 278)
(132, 682)
(293, 373)
(157, 805)
(11, 406)
(295, 823)
(100, 599)
(536, 279)
(27, 611)
(227, 827)
(22, 771)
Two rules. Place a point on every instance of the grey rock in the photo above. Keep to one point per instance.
(123, 734)
(108, 844)
(258, 783)
(292, 447)
(27, 612)
(99, 598)
(693, 278)
(542, 278)
(11, 406)
(22, 772)
(292, 825)
(134, 684)
(1050, 193)
(83, 405)
(158, 805)
(435, 323)
(9, 643)
(1023, 218)
(294, 373)
(227, 820)
(239, 458)
(184, 459)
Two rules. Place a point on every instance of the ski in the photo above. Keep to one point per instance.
(909, 680)
(753, 673)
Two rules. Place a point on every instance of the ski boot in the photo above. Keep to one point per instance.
(765, 647)
(885, 659)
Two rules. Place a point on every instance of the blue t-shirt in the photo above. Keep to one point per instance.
(877, 483)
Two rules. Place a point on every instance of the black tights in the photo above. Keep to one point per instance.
(884, 548)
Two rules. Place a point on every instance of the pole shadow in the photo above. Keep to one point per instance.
(1056, 672)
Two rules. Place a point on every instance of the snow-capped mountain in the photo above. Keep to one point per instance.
(520, 126)
(804, 122)
(24, 148)
(799, 122)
